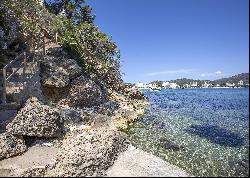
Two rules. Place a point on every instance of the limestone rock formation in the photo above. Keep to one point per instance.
(36, 119)
(57, 70)
(74, 116)
(85, 93)
(11, 145)
(123, 118)
(135, 94)
(88, 153)
(63, 80)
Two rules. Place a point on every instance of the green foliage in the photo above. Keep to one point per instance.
(74, 10)
(94, 50)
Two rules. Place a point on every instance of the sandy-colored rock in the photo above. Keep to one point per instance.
(57, 71)
(122, 118)
(85, 93)
(34, 162)
(36, 119)
(88, 153)
(11, 145)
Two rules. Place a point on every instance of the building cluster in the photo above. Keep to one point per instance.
(194, 84)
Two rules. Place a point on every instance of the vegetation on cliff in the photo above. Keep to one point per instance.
(73, 21)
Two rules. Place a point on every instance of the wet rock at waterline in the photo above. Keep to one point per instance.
(11, 145)
(36, 119)
(169, 145)
(135, 94)
(123, 118)
(88, 153)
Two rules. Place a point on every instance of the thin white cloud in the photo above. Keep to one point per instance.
(179, 71)
(214, 74)
(218, 72)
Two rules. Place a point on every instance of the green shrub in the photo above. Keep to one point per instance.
(94, 50)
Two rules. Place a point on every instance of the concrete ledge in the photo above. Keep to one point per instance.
(137, 163)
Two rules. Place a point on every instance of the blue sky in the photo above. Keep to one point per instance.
(170, 39)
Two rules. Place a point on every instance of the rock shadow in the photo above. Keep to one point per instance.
(217, 135)
(168, 144)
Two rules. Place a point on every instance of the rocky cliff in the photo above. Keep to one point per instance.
(73, 104)
(81, 114)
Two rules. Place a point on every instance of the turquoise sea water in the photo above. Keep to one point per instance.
(204, 131)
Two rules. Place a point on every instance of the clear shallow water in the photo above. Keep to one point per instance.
(204, 131)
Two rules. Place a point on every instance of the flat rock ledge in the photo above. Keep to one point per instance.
(137, 163)
(32, 163)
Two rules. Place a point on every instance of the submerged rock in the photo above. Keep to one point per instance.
(11, 145)
(36, 119)
(169, 145)
(88, 153)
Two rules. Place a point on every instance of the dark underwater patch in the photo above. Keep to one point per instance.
(217, 135)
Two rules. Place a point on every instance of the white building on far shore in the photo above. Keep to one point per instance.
(193, 84)
(206, 85)
(241, 83)
(139, 85)
(169, 85)
(165, 84)
(173, 85)
(230, 84)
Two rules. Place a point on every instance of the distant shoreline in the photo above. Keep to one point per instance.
(191, 88)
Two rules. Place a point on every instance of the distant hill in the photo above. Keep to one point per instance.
(184, 81)
(234, 79)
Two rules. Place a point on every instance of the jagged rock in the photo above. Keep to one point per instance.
(74, 116)
(36, 119)
(135, 94)
(88, 153)
(100, 121)
(85, 93)
(57, 70)
(58, 60)
(58, 80)
(11, 145)
(107, 108)
(122, 118)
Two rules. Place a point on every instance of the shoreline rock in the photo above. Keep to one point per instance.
(88, 153)
(11, 145)
(36, 119)
(87, 115)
